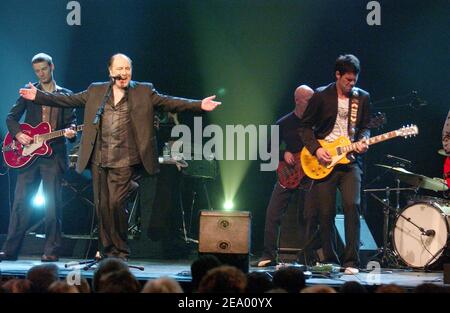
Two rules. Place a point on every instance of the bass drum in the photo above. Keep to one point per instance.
(416, 249)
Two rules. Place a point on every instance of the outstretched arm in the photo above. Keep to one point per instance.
(208, 104)
(64, 100)
(176, 104)
(28, 93)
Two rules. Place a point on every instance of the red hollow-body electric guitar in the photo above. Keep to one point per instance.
(17, 155)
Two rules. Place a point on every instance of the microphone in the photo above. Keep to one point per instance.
(390, 156)
(430, 233)
(113, 78)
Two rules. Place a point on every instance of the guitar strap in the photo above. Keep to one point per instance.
(354, 104)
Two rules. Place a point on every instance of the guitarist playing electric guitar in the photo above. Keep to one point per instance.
(289, 175)
(336, 110)
(48, 169)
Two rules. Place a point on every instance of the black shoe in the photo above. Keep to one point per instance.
(49, 258)
(264, 263)
(6, 257)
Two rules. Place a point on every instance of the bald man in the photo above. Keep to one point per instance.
(118, 141)
(281, 196)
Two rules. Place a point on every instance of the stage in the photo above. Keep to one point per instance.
(180, 271)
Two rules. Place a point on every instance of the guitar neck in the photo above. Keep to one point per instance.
(371, 141)
(57, 133)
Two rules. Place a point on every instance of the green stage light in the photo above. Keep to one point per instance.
(228, 205)
(250, 67)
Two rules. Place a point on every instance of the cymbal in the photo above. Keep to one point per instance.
(417, 180)
(435, 183)
(442, 152)
(397, 170)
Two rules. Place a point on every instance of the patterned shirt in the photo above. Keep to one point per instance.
(118, 145)
(341, 125)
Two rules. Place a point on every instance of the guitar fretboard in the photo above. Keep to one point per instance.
(55, 134)
(371, 141)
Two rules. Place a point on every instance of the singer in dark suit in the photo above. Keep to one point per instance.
(48, 169)
(120, 143)
(338, 109)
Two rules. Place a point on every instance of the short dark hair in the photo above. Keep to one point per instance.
(42, 57)
(201, 266)
(106, 266)
(347, 63)
(42, 276)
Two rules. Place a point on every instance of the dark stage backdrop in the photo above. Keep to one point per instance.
(191, 48)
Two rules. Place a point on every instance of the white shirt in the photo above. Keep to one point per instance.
(341, 126)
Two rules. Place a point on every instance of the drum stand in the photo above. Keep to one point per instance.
(388, 258)
(385, 255)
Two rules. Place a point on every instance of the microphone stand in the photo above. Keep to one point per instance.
(426, 267)
(411, 100)
(101, 108)
(97, 122)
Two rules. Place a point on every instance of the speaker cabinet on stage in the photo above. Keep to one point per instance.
(227, 236)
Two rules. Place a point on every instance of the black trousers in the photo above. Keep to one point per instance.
(50, 171)
(113, 188)
(348, 179)
(277, 207)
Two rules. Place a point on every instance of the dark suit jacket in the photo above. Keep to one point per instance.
(320, 116)
(33, 116)
(143, 99)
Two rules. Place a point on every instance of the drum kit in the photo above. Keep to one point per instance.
(421, 231)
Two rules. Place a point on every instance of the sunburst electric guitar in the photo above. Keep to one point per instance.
(340, 148)
(17, 155)
(289, 176)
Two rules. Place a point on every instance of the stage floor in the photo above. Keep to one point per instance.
(180, 271)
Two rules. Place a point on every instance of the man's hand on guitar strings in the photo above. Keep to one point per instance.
(289, 158)
(24, 138)
(361, 146)
(323, 156)
(70, 132)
